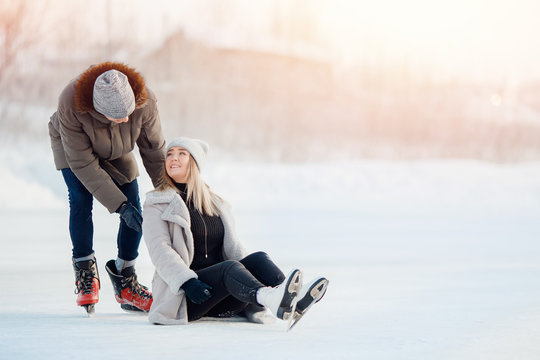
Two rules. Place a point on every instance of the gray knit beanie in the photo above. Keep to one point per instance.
(113, 96)
(197, 148)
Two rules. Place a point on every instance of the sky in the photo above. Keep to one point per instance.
(476, 39)
(472, 38)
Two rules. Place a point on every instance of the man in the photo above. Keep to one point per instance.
(101, 115)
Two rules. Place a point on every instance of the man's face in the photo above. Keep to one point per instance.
(118, 121)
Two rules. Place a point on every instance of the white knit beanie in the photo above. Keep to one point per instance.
(197, 148)
(113, 96)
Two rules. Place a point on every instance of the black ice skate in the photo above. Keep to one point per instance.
(131, 295)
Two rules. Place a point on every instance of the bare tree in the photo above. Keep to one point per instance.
(21, 25)
(13, 37)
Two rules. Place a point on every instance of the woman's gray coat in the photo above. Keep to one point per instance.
(167, 233)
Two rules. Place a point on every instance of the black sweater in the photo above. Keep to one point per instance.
(208, 232)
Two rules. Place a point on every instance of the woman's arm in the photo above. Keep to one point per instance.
(232, 247)
(171, 266)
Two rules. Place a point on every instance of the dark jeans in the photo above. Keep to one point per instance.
(81, 227)
(234, 285)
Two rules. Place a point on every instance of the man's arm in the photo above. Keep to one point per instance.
(85, 164)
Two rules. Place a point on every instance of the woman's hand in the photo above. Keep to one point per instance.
(197, 291)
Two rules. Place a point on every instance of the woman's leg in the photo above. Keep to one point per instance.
(228, 307)
(236, 277)
(228, 278)
(263, 268)
(81, 227)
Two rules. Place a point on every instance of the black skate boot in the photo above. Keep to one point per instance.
(87, 283)
(131, 295)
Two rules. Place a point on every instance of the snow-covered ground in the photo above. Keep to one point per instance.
(426, 260)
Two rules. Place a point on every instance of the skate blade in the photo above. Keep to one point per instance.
(90, 309)
(132, 309)
(316, 293)
(294, 320)
(292, 317)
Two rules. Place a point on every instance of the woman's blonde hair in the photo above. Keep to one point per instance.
(198, 192)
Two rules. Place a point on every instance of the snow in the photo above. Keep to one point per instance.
(426, 260)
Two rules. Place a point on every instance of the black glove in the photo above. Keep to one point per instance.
(196, 290)
(131, 216)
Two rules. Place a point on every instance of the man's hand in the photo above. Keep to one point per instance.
(131, 216)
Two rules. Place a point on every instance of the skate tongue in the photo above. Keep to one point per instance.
(85, 264)
(127, 272)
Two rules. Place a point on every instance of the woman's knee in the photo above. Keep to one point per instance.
(227, 265)
(255, 257)
(255, 260)
(263, 268)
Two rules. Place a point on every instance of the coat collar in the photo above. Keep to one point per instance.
(176, 210)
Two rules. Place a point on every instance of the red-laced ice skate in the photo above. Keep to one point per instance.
(87, 284)
(131, 295)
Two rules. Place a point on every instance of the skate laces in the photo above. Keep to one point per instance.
(84, 282)
(135, 287)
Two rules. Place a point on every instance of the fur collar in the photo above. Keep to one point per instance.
(176, 210)
(160, 197)
(84, 87)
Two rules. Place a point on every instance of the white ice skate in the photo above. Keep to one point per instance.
(281, 300)
(310, 293)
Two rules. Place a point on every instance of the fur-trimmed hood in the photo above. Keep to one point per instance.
(84, 87)
(99, 151)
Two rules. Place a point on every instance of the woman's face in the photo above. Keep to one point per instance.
(176, 163)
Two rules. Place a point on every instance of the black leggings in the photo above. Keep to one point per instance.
(234, 285)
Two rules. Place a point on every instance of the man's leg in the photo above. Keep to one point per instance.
(128, 240)
(131, 295)
(81, 228)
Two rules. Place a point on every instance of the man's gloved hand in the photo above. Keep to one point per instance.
(131, 216)
(197, 291)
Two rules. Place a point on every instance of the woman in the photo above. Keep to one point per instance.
(201, 267)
